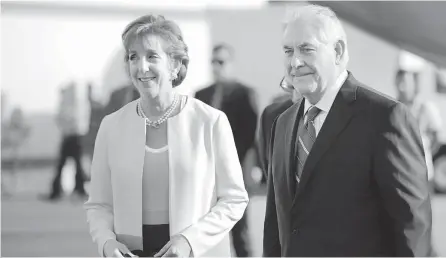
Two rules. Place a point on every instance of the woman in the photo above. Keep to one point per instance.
(165, 177)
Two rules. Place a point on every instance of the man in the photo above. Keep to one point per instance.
(237, 102)
(425, 112)
(269, 114)
(96, 115)
(347, 175)
(70, 120)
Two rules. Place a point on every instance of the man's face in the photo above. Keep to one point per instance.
(310, 61)
(407, 86)
(222, 65)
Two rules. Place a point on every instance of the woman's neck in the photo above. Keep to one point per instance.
(157, 106)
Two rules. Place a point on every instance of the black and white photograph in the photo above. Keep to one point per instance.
(216, 128)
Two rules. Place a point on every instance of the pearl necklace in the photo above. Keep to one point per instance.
(156, 124)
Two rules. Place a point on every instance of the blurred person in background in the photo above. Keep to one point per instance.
(4, 106)
(118, 98)
(121, 97)
(237, 101)
(14, 133)
(347, 175)
(165, 176)
(426, 113)
(96, 115)
(269, 114)
(70, 122)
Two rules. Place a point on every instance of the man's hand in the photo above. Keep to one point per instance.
(178, 246)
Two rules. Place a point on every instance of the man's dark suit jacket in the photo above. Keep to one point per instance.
(118, 98)
(237, 104)
(363, 190)
(267, 118)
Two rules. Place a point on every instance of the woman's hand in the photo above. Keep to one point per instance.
(178, 246)
(113, 248)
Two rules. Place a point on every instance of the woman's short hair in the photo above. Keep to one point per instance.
(169, 31)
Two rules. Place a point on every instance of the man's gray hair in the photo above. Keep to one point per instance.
(331, 29)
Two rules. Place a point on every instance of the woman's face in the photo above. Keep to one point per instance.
(150, 68)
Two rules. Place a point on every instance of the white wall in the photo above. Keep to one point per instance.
(41, 51)
(373, 61)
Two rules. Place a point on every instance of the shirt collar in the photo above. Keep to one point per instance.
(329, 96)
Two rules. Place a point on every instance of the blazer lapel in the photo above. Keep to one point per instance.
(129, 159)
(337, 119)
(291, 118)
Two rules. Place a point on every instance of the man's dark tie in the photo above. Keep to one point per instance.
(306, 138)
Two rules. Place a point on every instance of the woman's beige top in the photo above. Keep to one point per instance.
(155, 190)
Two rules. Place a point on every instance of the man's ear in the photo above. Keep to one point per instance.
(339, 48)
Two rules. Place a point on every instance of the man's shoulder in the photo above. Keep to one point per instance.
(380, 109)
(205, 90)
(373, 98)
(243, 88)
(117, 115)
(119, 91)
(277, 108)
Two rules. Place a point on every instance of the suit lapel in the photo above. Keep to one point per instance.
(337, 119)
(291, 118)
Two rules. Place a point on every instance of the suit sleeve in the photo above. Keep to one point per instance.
(99, 206)
(232, 198)
(271, 242)
(401, 174)
(247, 123)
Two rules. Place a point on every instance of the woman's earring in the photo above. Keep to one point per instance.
(173, 76)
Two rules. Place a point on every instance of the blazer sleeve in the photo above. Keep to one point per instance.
(271, 241)
(232, 198)
(99, 206)
(400, 171)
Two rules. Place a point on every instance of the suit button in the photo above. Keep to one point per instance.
(295, 231)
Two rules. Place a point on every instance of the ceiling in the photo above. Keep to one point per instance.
(417, 26)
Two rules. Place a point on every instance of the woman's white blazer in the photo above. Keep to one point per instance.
(207, 195)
